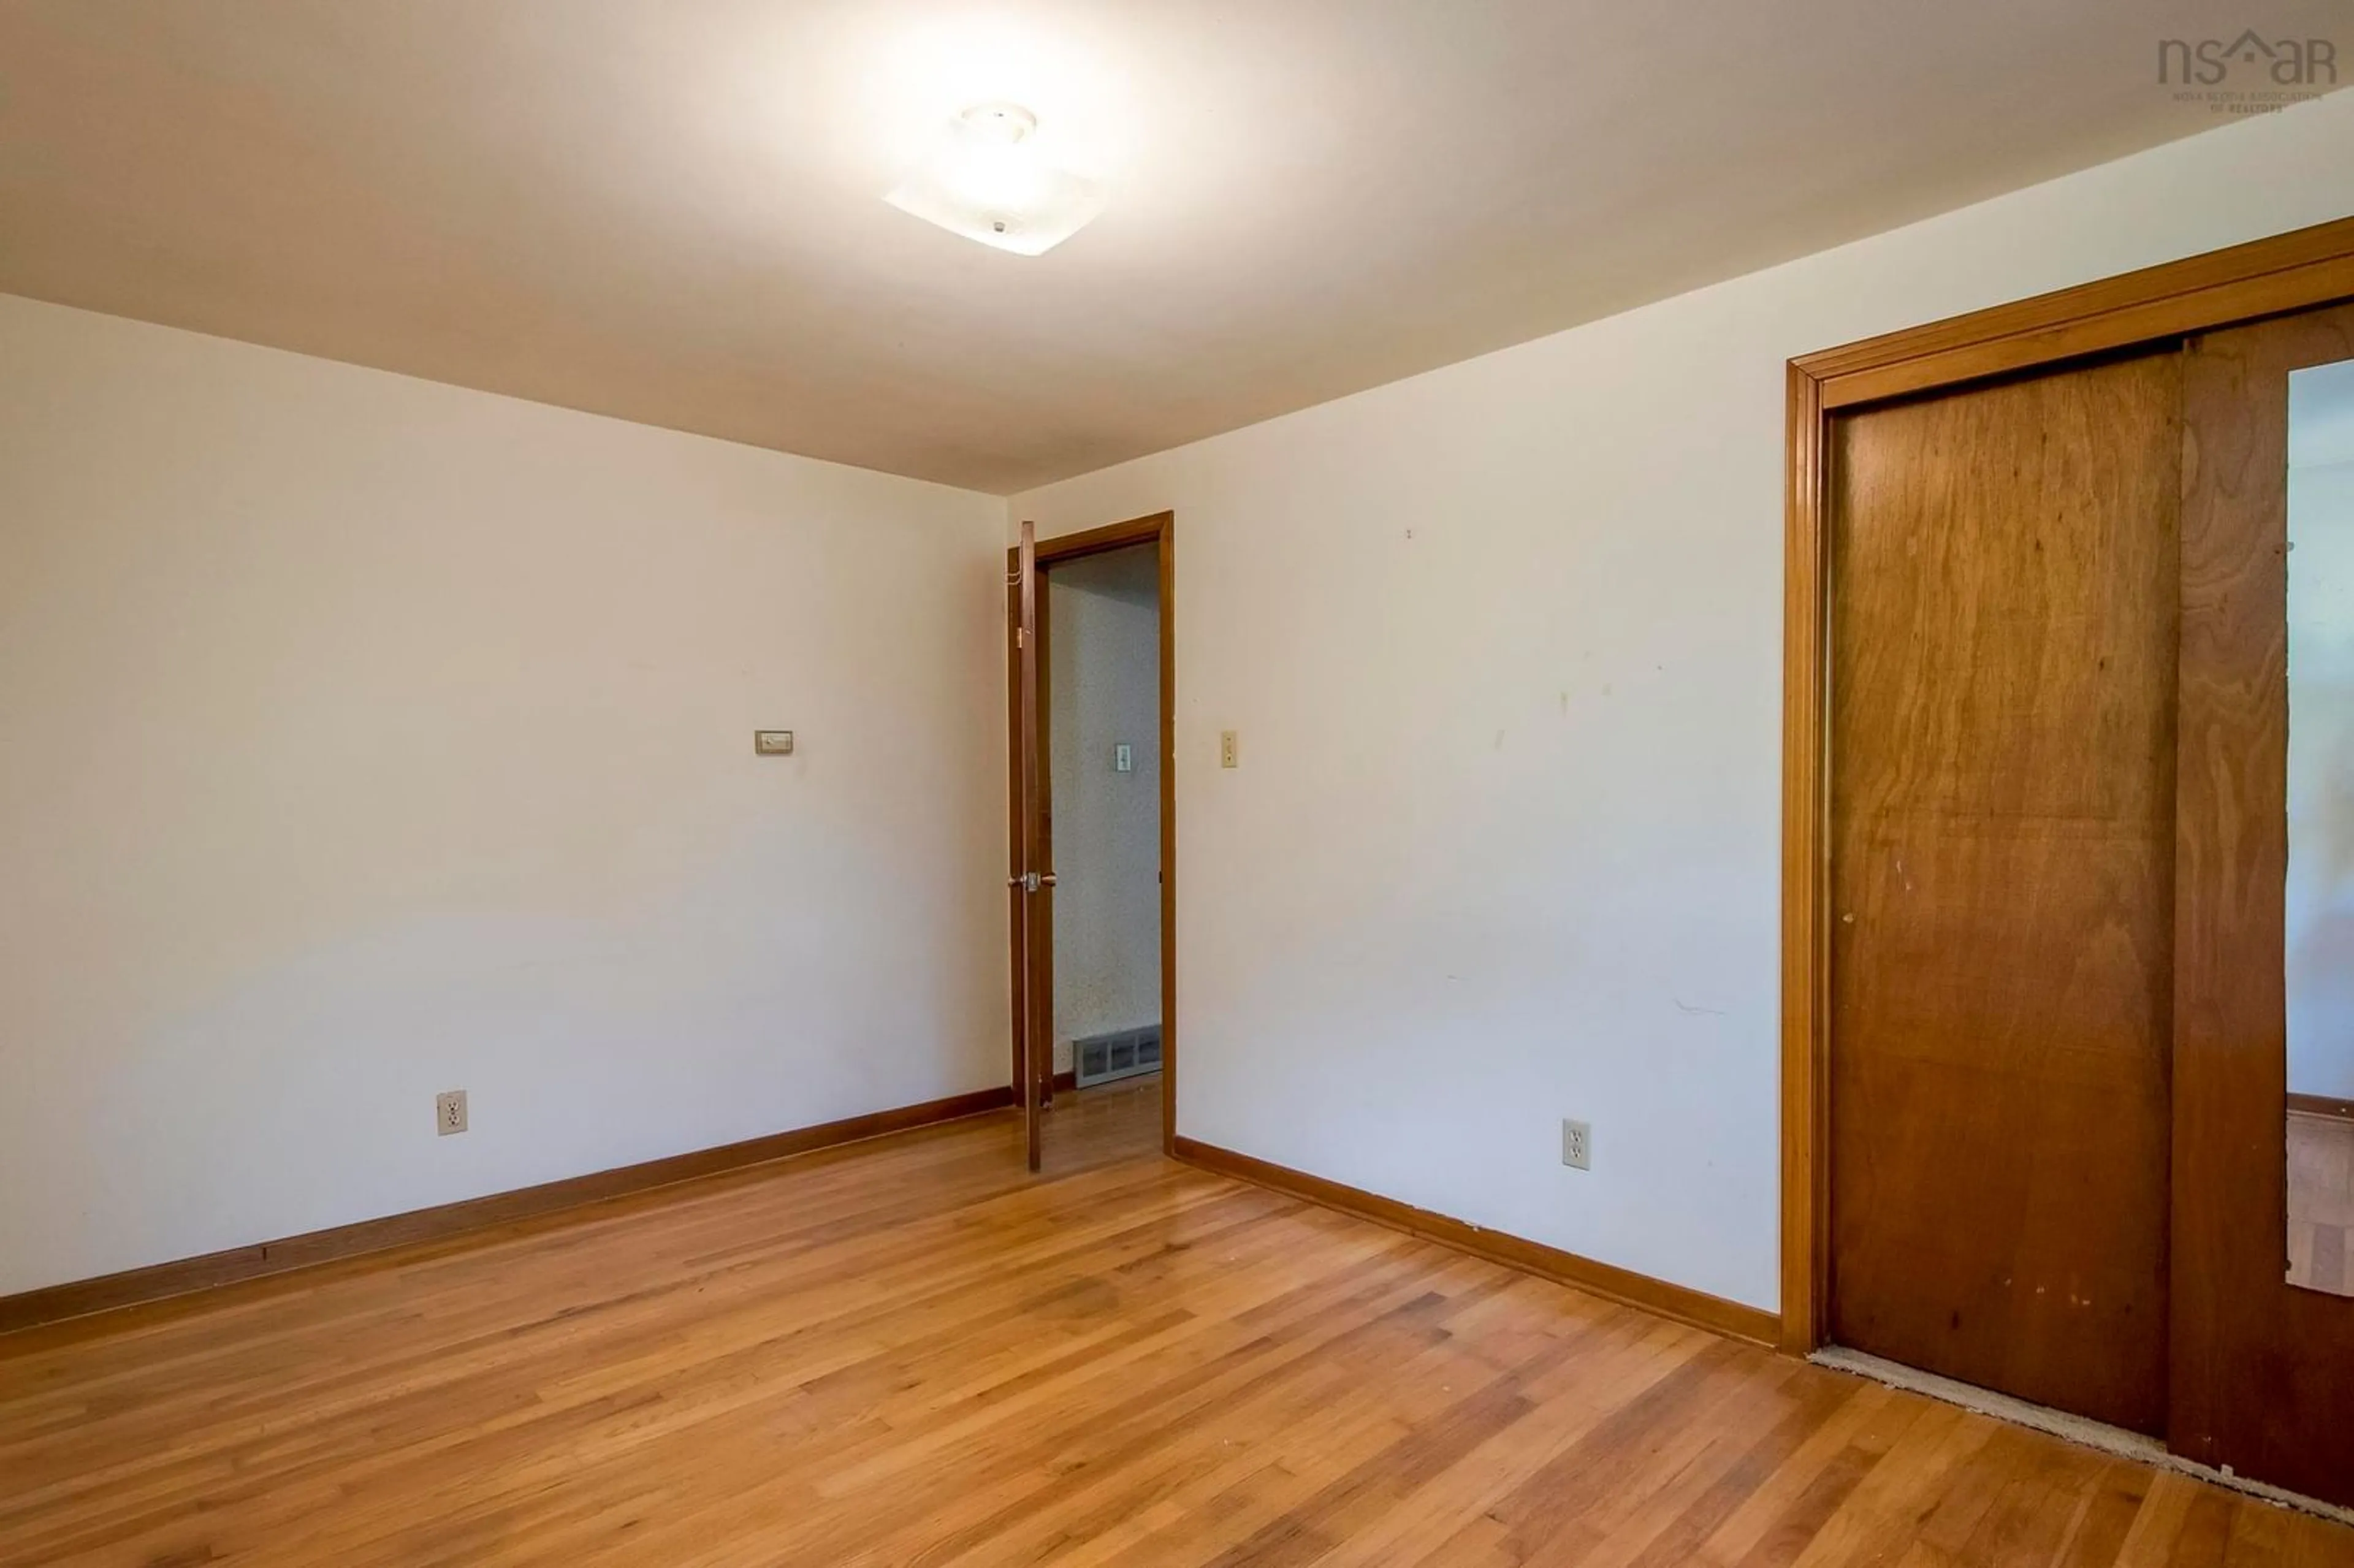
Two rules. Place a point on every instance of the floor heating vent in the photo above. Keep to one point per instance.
(1123, 1054)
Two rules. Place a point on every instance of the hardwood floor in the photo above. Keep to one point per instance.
(2321, 1202)
(912, 1352)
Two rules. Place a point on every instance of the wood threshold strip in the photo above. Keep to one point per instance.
(136, 1286)
(1753, 1325)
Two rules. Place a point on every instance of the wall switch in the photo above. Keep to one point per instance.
(1123, 758)
(449, 1112)
(772, 743)
(1227, 758)
(1576, 1144)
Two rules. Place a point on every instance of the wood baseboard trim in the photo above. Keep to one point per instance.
(2322, 1105)
(1701, 1310)
(136, 1286)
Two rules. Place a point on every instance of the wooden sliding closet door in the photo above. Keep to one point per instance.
(2263, 1369)
(2002, 732)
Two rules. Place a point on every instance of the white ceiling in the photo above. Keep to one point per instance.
(669, 210)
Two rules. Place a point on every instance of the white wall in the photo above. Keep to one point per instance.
(2319, 928)
(362, 737)
(1504, 644)
(1104, 688)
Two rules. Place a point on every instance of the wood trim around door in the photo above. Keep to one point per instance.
(1158, 529)
(1805, 879)
(2286, 272)
(2263, 277)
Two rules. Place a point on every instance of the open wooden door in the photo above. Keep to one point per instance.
(2263, 1328)
(1030, 885)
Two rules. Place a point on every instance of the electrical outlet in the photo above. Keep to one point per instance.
(772, 743)
(449, 1112)
(1229, 752)
(1576, 1144)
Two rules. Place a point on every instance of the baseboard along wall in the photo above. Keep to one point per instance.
(1697, 1307)
(155, 1282)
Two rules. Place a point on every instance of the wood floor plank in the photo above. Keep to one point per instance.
(915, 1352)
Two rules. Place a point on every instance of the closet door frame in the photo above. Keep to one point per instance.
(2298, 271)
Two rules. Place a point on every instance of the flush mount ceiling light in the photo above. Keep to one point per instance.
(986, 180)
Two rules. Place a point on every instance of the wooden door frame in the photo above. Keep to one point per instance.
(1157, 529)
(2291, 272)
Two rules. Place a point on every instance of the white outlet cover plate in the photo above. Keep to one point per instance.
(1578, 1145)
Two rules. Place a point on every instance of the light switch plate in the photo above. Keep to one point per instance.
(772, 743)
(1123, 758)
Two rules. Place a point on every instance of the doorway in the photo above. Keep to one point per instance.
(1093, 896)
(2063, 884)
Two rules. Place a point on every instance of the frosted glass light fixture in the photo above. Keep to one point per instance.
(984, 179)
